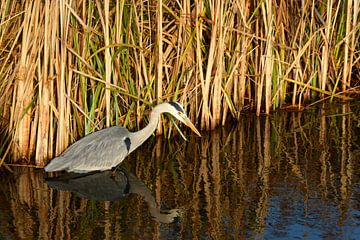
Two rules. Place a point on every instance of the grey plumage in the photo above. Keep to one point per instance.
(107, 148)
(82, 155)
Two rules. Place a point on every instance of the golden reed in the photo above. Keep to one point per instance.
(68, 68)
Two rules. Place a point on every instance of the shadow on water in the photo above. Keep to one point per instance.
(291, 175)
(110, 186)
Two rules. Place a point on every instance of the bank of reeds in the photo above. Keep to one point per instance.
(68, 68)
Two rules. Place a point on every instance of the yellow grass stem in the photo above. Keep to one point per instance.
(219, 68)
(339, 95)
(106, 28)
(64, 15)
(269, 59)
(24, 82)
(159, 54)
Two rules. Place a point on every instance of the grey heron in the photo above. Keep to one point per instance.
(107, 148)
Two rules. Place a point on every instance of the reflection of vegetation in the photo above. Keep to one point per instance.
(226, 183)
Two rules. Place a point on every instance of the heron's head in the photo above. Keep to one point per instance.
(178, 112)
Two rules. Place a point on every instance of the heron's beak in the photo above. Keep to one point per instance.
(188, 123)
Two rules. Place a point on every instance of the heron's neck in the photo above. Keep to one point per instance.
(142, 135)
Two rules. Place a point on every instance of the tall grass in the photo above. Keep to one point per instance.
(68, 68)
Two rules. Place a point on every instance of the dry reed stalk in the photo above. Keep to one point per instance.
(42, 140)
(297, 45)
(352, 11)
(257, 69)
(61, 56)
(24, 81)
(51, 76)
(142, 66)
(269, 59)
(281, 21)
(140, 63)
(346, 47)
(216, 101)
(159, 55)
(106, 29)
(234, 62)
(203, 112)
(204, 122)
(325, 49)
(239, 100)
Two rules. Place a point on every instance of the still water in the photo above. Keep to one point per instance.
(288, 176)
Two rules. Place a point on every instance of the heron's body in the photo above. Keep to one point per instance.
(94, 152)
(107, 148)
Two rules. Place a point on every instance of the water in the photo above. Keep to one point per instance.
(288, 176)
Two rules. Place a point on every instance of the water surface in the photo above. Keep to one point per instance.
(287, 176)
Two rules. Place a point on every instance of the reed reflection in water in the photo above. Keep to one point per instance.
(285, 176)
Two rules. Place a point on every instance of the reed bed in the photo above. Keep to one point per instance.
(68, 68)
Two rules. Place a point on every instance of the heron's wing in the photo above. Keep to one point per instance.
(101, 150)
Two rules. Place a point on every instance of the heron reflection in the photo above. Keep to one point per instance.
(111, 186)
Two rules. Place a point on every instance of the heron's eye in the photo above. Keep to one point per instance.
(181, 114)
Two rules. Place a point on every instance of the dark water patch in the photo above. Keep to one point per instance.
(288, 176)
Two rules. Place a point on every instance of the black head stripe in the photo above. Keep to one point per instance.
(127, 143)
(176, 106)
